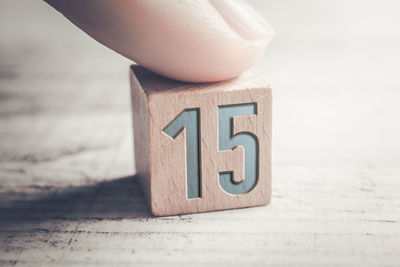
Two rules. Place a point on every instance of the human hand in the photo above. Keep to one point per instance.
(193, 40)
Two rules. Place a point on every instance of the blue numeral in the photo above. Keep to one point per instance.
(189, 120)
(228, 141)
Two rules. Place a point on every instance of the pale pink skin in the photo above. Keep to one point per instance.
(193, 40)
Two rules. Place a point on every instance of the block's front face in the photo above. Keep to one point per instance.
(210, 148)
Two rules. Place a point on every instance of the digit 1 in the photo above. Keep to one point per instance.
(228, 141)
(188, 120)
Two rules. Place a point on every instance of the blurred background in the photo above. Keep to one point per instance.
(334, 66)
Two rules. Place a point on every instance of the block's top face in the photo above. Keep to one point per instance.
(153, 83)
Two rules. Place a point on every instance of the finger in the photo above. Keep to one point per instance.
(197, 41)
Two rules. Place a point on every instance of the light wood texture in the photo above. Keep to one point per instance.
(66, 144)
(162, 160)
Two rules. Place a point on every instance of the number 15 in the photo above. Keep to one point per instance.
(189, 120)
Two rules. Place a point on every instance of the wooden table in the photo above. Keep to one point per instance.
(68, 195)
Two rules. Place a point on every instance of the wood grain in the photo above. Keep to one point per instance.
(66, 146)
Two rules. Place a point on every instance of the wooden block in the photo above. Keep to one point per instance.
(202, 147)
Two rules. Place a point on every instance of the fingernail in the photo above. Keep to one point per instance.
(243, 19)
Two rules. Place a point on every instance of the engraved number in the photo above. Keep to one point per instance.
(188, 120)
(228, 141)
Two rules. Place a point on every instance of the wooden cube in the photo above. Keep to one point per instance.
(202, 146)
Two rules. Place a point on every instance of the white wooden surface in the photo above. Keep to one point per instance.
(67, 194)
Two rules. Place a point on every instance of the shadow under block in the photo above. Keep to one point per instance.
(202, 146)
